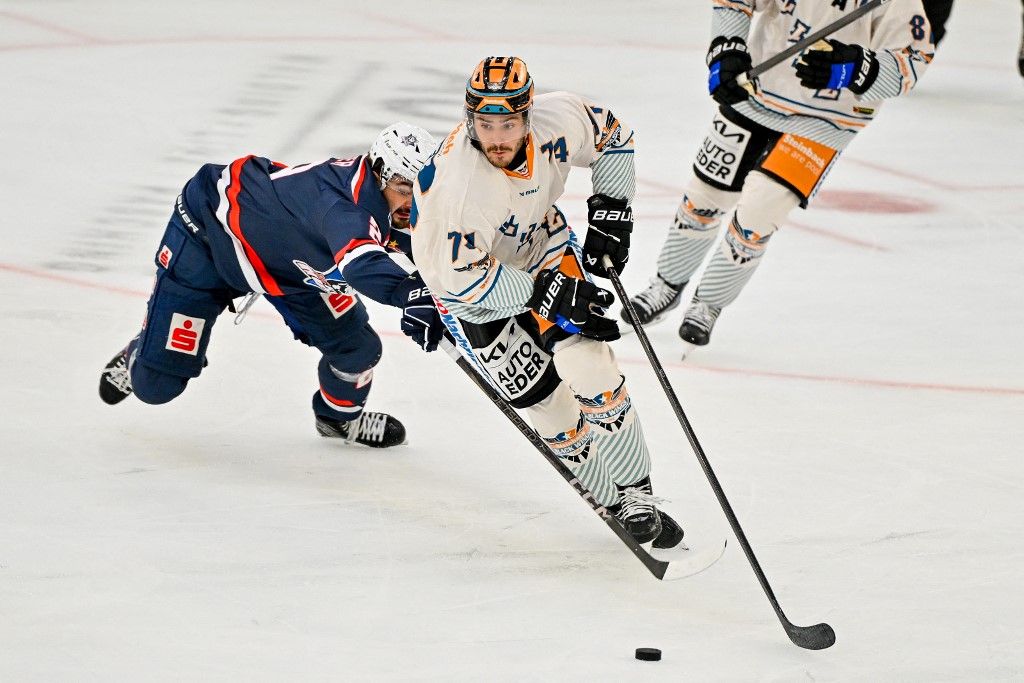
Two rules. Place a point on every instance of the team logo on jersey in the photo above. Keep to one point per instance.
(164, 257)
(185, 334)
(329, 281)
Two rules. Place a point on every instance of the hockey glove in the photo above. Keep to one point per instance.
(837, 66)
(574, 305)
(727, 58)
(611, 222)
(420, 318)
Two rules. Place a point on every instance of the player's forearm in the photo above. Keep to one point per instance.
(731, 18)
(898, 72)
(614, 174)
(375, 275)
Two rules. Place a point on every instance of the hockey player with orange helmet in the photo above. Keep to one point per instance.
(508, 270)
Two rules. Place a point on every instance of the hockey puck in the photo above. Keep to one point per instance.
(648, 654)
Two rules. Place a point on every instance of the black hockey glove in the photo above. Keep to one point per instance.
(574, 305)
(727, 58)
(838, 66)
(611, 222)
(420, 319)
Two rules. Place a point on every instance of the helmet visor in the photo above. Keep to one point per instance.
(497, 129)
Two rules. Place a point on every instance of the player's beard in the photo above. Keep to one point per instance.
(509, 149)
(400, 219)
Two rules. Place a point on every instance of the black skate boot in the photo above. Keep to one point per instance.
(115, 381)
(636, 512)
(376, 430)
(653, 303)
(671, 533)
(698, 322)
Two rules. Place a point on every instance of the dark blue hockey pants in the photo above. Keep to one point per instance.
(188, 296)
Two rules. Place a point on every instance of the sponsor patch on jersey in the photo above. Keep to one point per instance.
(338, 303)
(720, 154)
(185, 334)
(164, 257)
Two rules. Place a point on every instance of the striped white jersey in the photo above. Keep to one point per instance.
(898, 32)
(482, 234)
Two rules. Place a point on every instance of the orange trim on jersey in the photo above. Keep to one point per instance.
(800, 162)
(235, 225)
(606, 134)
(529, 161)
(775, 103)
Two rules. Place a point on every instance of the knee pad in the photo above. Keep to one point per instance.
(588, 366)
(515, 360)
(153, 386)
(178, 325)
(362, 353)
(763, 205)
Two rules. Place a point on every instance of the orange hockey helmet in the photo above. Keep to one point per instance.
(499, 86)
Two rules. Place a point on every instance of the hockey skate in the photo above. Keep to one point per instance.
(698, 322)
(636, 511)
(671, 533)
(376, 430)
(653, 303)
(115, 380)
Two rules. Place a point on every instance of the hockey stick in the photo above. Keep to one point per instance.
(657, 567)
(817, 637)
(747, 78)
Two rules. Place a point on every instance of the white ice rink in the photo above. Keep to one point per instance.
(862, 402)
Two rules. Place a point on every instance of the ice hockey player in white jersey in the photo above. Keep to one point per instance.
(768, 152)
(497, 252)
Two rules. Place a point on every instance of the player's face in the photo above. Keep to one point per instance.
(500, 136)
(398, 194)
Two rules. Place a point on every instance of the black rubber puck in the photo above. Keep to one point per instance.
(648, 654)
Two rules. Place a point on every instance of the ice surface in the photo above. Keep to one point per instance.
(862, 402)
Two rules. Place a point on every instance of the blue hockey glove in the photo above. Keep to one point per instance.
(727, 58)
(576, 306)
(420, 318)
(838, 66)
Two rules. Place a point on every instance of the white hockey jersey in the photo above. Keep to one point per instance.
(898, 32)
(481, 234)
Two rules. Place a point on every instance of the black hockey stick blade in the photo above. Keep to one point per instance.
(817, 637)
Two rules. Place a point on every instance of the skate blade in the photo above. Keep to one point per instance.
(687, 349)
(685, 562)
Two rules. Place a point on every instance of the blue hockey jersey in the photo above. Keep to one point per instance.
(276, 229)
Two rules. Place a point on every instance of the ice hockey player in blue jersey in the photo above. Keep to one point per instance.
(308, 238)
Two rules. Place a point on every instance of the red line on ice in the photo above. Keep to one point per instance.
(834, 379)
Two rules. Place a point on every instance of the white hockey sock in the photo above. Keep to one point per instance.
(732, 265)
(691, 234)
(618, 436)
